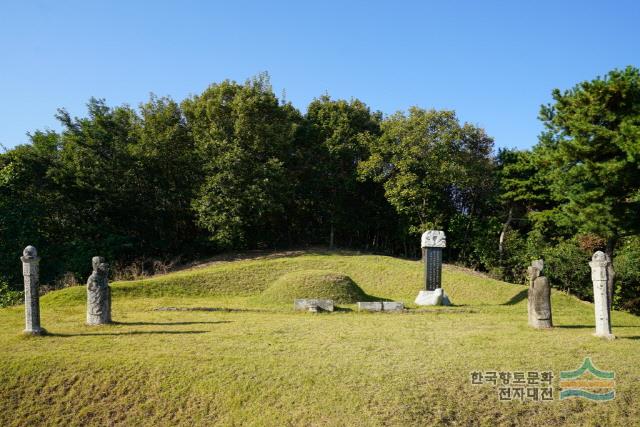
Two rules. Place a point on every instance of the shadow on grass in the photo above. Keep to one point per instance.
(98, 334)
(520, 296)
(221, 309)
(591, 326)
(169, 323)
(635, 337)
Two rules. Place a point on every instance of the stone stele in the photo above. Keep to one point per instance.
(31, 273)
(98, 293)
(539, 297)
(432, 243)
(599, 274)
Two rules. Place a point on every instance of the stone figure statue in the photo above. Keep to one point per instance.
(539, 303)
(600, 269)
(31, 273)
(98, 293)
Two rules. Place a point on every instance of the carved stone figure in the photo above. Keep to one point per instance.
(539, 303)
(600, 269)
(98, 293)
(31, 273)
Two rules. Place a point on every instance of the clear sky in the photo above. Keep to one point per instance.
(494, 62)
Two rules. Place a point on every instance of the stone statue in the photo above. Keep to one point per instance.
(600, 270)
(539, 307)
(31, 273)
(98, 293)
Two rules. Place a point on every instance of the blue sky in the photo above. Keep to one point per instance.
(494, 62)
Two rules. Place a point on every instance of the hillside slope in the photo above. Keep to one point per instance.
(266, 365)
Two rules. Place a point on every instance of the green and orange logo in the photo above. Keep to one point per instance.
(588, 382)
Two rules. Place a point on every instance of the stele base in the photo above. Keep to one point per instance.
(435, 297)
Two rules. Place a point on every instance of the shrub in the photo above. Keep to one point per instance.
(567, 267)
(627, 267)
(9, 296)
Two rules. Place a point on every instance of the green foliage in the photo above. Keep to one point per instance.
(9, 296)
(433, 169)
(512, 267)
(335, 142)
(235, 167)
(581, 181)
(591, 148)
(314, 284)
(245, 138)
(567, 267)
(521, 184)
(627, 267)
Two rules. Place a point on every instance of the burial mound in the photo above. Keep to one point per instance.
(323, 284)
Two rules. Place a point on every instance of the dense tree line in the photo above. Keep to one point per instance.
(237, 168)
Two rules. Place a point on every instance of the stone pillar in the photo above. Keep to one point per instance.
(599, 275)
(432, 244)
(539, 301)
(30, 271)
(98, 293)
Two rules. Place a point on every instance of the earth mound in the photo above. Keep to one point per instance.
(322, 284)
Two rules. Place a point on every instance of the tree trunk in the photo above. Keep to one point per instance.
(611, 274)
(331, 237)
(503, 233)
(463, 252)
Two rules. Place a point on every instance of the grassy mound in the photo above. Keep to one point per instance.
(314, 284)
(254, 366)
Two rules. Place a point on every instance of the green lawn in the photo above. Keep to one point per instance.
(267, 365)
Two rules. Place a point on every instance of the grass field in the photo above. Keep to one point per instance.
(263, 364)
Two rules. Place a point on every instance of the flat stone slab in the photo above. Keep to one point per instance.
(312, 304)
(369, 306)
(380, 306)
(392, 306)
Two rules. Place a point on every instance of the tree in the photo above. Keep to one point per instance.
(592, 144)
(336, 135)
(169, 175)
(101, 182)
(32, 210)
(591, 147)
(245, 138)
(432, 169)
(523, 189)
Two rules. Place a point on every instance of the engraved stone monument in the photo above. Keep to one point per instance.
(30, 271)
(432, 243)
(599, 275)
(539, 301)
(98, 293)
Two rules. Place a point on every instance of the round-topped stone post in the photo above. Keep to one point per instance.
(30, 271)
(432, 243)
(599, 274)
(98, 293)
(539, 297)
